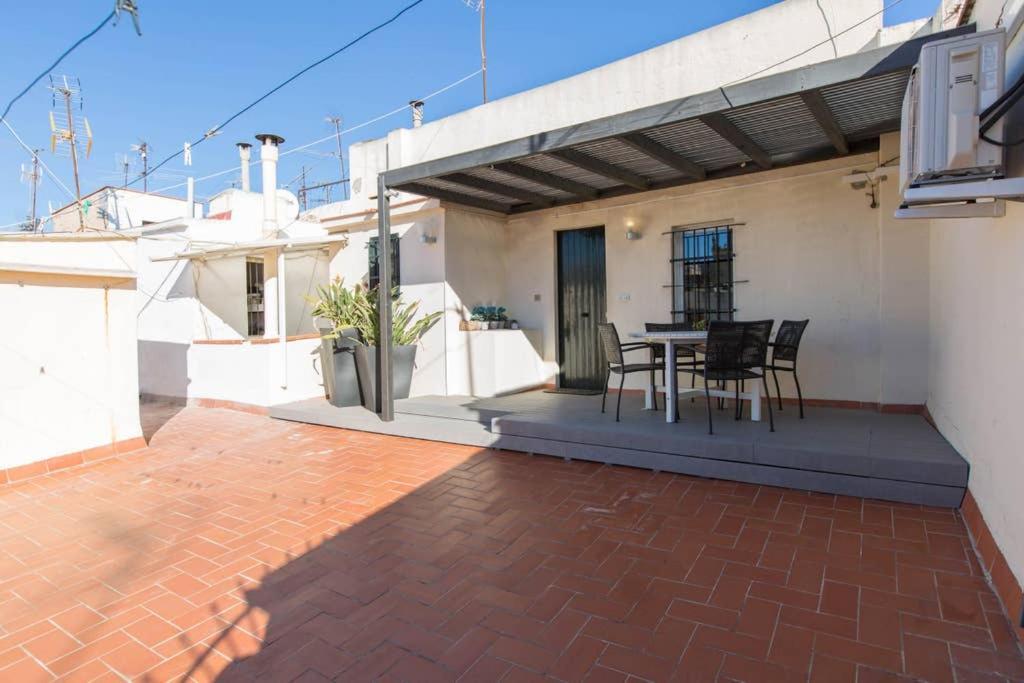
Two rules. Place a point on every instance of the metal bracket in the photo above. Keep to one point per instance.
(1004, 188)
(996, 209)
(131, 8)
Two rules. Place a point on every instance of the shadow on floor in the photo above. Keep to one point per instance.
(154, 414)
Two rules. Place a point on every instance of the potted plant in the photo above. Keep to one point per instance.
(336, 314)
(478, 318)
(349, 348)
(406, 332)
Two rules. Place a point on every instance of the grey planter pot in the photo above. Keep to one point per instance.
(403, 362)
(338, 360)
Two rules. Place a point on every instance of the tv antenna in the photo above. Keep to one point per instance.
(124, 163)
(481, 7)
(142, 149)
(336, 122)
(67, 91)
(31, 176)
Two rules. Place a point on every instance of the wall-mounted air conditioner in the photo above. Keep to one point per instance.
(947, 168)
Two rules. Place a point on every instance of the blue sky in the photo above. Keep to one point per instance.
(199, 61)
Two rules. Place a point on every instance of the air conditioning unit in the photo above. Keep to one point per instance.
(944, 162)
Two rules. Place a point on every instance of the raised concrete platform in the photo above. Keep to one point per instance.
(850, 452)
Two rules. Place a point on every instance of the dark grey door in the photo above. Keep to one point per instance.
(581, 306)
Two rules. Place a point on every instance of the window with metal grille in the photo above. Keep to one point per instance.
(374, 268)
(254, 296)
(702, 275)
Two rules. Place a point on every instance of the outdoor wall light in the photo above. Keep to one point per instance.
(427, 239)
(632, 233)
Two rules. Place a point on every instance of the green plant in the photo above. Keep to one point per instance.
(335, 303)
(359, 308)
(479, 313)
(700, 325)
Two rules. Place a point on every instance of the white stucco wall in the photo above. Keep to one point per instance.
(253, 374)
(976, 328)
(67, 357)
(811, 248)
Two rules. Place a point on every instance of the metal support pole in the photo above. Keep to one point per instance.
(282, 322)
(385, 389)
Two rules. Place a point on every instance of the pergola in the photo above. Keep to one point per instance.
(812, 113)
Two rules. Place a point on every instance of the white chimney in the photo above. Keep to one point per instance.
(268, 160)
(417, 113)
(245, 154)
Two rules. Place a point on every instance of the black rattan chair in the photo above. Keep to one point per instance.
(784, 350)
(614, 352)
(733, 352)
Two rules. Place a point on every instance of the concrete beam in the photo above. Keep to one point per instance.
(499, 188)
(819, 108)
(603, 168)
(737, 138)
(659, 152)
(456, 197)
(550, 179)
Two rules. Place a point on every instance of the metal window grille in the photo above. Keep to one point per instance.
(374, 267)
(254, 305)
(702, 275)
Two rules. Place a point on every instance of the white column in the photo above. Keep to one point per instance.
(282, 318)
(271, 308)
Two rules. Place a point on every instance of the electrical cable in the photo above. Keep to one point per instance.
(217, 129)
(997, 110)
(332, 136)
(41, 162)
(816, 45)
(56, 62)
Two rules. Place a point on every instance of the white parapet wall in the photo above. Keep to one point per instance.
(68, 350)
(255, 373)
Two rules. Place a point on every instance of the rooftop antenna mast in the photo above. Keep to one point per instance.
(125, 163)
(481, 7)
(31, 176)
(336, 122)
(142, 149)
(68, 92)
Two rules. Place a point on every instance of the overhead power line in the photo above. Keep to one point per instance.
(218, 128)
(332, 136)
(106, 20)
(828, 40)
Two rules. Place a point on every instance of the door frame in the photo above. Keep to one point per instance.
(557, 297)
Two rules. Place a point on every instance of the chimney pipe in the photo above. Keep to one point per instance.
(417, 113)
(268, 160)
(245, 154)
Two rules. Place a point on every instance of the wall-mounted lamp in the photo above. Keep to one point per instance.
(869, 180)
(427, 239)
(632, 234)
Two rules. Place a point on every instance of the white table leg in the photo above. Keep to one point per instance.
(671, 391)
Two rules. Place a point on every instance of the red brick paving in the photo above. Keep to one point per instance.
(238, 547)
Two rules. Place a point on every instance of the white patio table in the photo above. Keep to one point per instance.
(671, 340)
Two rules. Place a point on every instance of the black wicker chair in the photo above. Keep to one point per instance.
(784, 350)
(733, 351)
(685, 355)
(614, 352)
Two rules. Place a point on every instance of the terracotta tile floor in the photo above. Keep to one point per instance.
(238, 547)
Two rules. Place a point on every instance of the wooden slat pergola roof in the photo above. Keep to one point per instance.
(812, 113)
